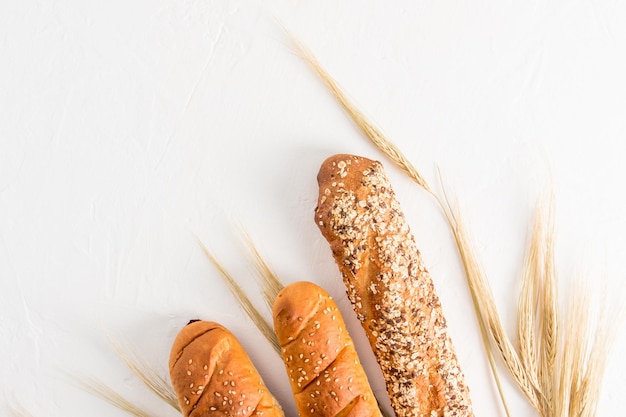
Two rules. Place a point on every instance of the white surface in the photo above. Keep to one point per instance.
(129, 127)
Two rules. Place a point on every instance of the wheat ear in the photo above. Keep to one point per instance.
(16, 409)
(583, 352)
(486, 311)
(146, 374)
(537, 320)
(370, 130)
(547, 315)
(243, 300)
(108, 394)
(269, 282)
(528, 306)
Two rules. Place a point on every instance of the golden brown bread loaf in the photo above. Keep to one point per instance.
(212, 375)
(326, 376)
(390, 289)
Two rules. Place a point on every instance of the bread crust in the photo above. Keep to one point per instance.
(212, 375)
(325, 373)
(390, 289)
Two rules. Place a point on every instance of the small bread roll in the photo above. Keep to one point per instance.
(326, 376)
(212, 375)
(390, 289)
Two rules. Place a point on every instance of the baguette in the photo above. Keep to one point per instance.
(326, 376)
(390, 289)
(212, 375)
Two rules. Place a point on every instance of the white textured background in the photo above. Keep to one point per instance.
(129, 127)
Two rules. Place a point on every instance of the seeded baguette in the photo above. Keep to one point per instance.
(212, 375)
(326, 376)
(390, 289)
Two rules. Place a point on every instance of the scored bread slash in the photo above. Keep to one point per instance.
(212, 375)
(326, 376)
(390, 289)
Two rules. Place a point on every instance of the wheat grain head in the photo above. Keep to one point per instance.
(16, 409)
(105, 392)
(146, 374)
(269, 282)
(243, 300)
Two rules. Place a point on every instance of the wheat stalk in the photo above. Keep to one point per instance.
(269, 282)
(108, 394)
(369, 129)
(243, 300)
(487, 313)
(528, 305)
(582, 363)
(547, 315)
(537, 310)
(146, 374)
(16, 409)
